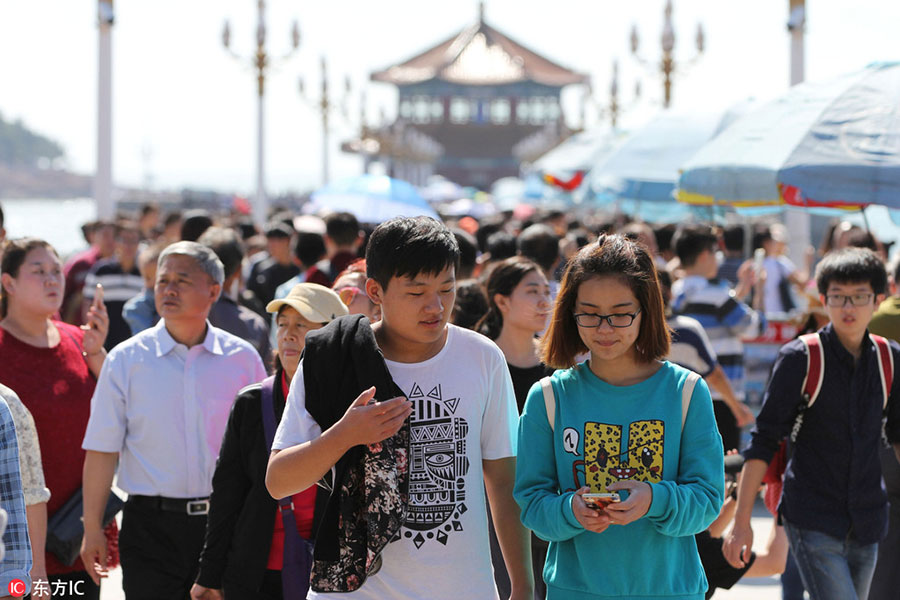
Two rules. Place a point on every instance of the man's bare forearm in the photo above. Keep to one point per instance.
(99, 470)
(295, 469)
(514, 538)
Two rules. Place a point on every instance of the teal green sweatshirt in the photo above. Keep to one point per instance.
(604, 433)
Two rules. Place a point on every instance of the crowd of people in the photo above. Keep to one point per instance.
(419, 409)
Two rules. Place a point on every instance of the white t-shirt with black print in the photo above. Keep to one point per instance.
(464, 411)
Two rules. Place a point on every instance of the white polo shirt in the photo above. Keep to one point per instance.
(163, 407)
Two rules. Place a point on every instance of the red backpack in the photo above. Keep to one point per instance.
(812, 385)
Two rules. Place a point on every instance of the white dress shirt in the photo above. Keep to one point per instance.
(163, 407)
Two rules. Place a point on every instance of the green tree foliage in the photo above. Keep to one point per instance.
(21, 147)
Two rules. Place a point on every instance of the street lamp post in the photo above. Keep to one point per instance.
(103, 177)
(261, 61)
(667, 65)
(324, 105)
(613, 109)
(797, 220)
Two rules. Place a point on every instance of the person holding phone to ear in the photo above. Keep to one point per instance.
(53, 367)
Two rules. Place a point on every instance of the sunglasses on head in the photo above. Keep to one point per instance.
(348, 294)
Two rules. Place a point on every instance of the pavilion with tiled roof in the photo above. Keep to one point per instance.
(479, 94)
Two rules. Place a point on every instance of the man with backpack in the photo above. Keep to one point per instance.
(828, 393)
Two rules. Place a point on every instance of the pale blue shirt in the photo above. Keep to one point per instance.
(163, 407)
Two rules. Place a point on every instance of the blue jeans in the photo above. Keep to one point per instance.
(791, 584)
(832, 568)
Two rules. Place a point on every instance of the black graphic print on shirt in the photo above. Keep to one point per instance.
(606, 458)
(437, 467)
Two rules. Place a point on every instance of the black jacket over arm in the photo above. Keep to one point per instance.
(340, 361)
(241, 511)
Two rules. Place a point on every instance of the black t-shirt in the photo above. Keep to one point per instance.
(267, 275)
(524, 378)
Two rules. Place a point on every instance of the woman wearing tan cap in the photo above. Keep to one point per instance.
(246, 547)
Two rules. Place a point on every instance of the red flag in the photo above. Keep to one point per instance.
(569, 185)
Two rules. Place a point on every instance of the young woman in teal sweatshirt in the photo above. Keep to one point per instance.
(617, 426)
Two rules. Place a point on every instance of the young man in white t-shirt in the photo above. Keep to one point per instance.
(463, 416)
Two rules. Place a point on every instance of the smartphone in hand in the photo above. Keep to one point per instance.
(600, 501)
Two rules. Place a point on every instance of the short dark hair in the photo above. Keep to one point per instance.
(486, 228)
(171, 218)
(227, 245)
(733, 238)
(503, 280)
(1, 216)
(147, 208)
(468, 252)
(860, 238)
(691, 241)
(664, 235)
(851, 265)
(501, 245)
(309, 248)
(470, 304)
(342, 228)
(541, 244)
(616, 256)
(12, 256)
(246, 228)
(193, 225)
(407, 246)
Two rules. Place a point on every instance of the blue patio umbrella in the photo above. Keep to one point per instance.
(579, 152)
(372, 198)
(640, 174)
(827, 144)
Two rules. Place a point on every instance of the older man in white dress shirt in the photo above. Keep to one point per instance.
(159, 411)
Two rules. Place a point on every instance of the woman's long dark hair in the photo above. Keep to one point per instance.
(503, 280)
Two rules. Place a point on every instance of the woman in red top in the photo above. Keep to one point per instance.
(52, 366)
(244, 547)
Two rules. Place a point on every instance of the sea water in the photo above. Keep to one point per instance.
(57, 221)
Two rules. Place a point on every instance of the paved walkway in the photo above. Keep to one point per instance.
(762, 588)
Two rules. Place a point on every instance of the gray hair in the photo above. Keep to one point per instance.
(205, 257)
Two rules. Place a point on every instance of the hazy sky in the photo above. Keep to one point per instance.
(184, 112)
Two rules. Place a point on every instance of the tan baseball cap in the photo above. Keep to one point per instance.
(315, 302)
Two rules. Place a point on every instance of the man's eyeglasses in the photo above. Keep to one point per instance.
(618, 320)
(348, 294)
(839, 300)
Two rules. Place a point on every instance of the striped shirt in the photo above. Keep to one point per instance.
(690, 346)
(118, 288)
(725, 319)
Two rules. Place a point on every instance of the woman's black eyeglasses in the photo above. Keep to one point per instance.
(618, 320)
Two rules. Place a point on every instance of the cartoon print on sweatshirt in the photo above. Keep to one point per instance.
(437, 468)
(607, 459)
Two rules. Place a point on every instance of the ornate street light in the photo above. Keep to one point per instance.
(612, 108)
(261, 62)
(667, 65)
(324, 105)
